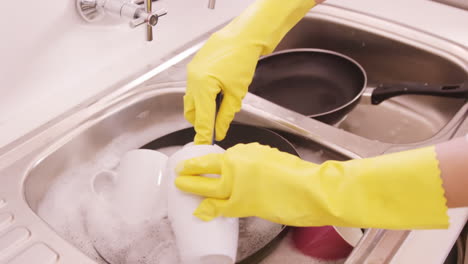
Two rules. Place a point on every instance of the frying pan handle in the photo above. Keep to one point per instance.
(386, 91)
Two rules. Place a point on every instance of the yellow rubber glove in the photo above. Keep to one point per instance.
(395, 191)
(228, 60)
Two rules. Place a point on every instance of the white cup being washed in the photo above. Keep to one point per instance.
(199, 242)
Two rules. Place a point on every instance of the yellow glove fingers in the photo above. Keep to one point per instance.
(210, 208)
(203, 186)
(189, 108)
(229, 107)
(206, 164)
(205, 108)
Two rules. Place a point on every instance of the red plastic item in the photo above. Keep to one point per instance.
(322, 242)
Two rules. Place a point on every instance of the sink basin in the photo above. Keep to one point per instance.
(91, 139)
(65, 169)
(387, 57)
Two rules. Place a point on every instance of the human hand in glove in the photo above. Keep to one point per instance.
(227, 62)
(395, 191)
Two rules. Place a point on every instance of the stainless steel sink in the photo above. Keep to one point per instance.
(83, 141)
(387, 57)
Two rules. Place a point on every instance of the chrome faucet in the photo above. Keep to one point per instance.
(211, 4)
(139, 12)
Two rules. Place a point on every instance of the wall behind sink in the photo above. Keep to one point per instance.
(51, 59)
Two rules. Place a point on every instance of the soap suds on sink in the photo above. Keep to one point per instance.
(265, 231)
(89, 221)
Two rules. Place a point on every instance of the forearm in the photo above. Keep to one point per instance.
(415, 186)
(453, 163)
(398, 190)
(268, 21)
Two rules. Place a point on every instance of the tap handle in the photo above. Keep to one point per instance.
(151, 19)
(93, 10)
(148, 6)
(139, 2)
(147, 16)
(137, 22)
(211, 4)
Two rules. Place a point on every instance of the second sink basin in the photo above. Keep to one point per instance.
(387, 57)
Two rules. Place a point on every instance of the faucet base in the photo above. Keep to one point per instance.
(139, 12)
(89, 10)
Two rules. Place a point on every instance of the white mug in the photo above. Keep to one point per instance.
(138, 187)
(130, 203)
(199, 242)
(140, 176)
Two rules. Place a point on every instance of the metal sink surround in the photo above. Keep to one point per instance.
(151, 106)
(455, 3)
(387, 58)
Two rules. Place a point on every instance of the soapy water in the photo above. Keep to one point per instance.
(91, 221)
(264, 232)
(88, 220)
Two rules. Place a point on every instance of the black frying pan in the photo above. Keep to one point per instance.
(327, 85)
(237, 134)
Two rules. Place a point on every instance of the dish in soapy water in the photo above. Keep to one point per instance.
(71, 200)
(120, 237)
(257, 237)
(198, 241)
